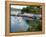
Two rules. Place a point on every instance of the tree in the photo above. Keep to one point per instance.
(36, 24)
(32, 9)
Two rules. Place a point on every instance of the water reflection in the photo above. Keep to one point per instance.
(18, 24)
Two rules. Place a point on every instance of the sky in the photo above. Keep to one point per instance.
(17, 6)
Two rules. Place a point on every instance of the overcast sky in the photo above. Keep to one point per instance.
(17, 6)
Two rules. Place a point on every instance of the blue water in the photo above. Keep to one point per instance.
(18, 24)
